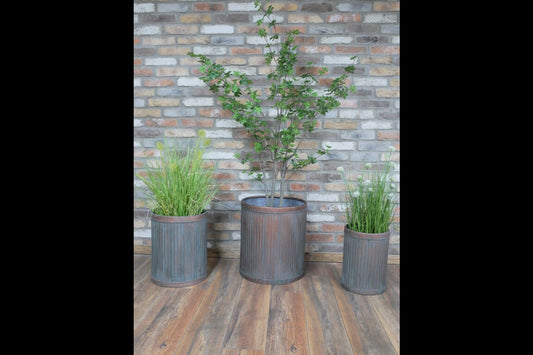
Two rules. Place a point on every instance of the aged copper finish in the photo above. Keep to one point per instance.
(179, 250)
(272, 240)
(364, 262)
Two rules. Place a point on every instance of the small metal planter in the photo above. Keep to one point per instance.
(179, 250)
(272, 240)
(364, 262)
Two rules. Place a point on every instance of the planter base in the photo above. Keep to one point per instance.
(365, 291)
(270, 281)
(177, 284)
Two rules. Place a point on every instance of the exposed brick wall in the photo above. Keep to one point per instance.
(170, 100)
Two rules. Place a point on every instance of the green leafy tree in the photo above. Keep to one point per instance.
(296, 104)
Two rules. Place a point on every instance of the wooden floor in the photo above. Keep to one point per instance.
(228, 315)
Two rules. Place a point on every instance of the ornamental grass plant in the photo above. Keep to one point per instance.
(371, 198)
(181, 184)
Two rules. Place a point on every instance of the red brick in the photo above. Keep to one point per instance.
(196, 122)
(209, 7)
(324, 238)
(239, 50)
(195, 18)
(214, 112)
(161, 122)
(309, 70)
(224, 176)
(385, 50)
(285, 29)
(158, 82)
(386, 6)
(304, 40)
(328, 227)
(143, 71)
(388, 135)
(350, 49)
(296, 186)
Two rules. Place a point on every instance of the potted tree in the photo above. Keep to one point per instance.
(277, 117)
(181, 186)
(370, 201)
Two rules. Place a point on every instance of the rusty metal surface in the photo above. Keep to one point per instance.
(364, 262)
(179, 250)
(272, 240)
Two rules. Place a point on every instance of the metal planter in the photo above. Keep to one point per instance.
(272, 240)
(179, 250)
(364, 262)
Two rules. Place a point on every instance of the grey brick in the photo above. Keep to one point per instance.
(170, 92)
(156, 18)
(179, 112)
(172, 7)
(317, 7)
(232, 18)
(355, 6)
(227, 40)
(146, 132)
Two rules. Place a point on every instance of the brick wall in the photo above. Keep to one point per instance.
(170, 100)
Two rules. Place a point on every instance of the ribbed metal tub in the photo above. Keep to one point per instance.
(364, 262)
(272, 240)
(179, 250)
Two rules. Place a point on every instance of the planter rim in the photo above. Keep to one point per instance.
(302, 207)
(351, 233)
(181, 219)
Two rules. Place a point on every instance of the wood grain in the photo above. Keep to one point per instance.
(374, 338)
(205, 334)
(325, 327)
(228, 315)
(287, 330)
(247, 328)
(167, 328)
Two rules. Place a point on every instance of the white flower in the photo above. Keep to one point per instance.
(340, 169)
(367, 182)
(368, 166)
(391, 149)
(356, 194)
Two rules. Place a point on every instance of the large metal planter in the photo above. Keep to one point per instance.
(364, 262)
(179, 250)
(272, 240)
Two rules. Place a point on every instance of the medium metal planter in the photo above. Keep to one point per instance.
(272, 240)
(364, 262)
(179, 250)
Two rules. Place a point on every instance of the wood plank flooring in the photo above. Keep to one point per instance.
(229, 315)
